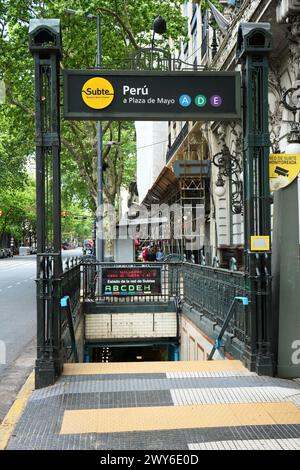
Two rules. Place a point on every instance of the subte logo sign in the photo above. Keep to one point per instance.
(97, 93)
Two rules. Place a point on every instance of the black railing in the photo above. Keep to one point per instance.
(208, 290)
(152, 59)
(70, 288)
(211, 291)
(177, 142)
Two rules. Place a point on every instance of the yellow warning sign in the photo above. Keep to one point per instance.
(259, 243)
(284, 168)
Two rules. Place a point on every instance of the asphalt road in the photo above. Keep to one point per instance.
(18, 319)
(17, 305)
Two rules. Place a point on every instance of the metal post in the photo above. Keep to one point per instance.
(214, 44)
(47, 55)
(152, 47)
(99, 237)
(254, 45)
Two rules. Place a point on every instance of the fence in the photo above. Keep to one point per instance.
(211, 291)
(70, 287)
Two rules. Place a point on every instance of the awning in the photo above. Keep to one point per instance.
(161, 187)
(222, 22)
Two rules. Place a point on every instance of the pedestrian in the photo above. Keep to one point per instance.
(152, 254)
(159, 254)
(145, 253)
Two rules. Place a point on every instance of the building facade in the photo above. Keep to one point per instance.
(210, 45)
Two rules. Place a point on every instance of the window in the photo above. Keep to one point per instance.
(186, 51)
(195, 38)
(194, 6)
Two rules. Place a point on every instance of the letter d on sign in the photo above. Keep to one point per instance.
(296, 354)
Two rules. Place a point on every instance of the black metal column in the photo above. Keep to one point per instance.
(45, 45)
(254, 45)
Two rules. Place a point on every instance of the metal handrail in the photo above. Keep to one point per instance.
(218, 343)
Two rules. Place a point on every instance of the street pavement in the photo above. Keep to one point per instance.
(17, 305)
(18, 323)
(178, 405)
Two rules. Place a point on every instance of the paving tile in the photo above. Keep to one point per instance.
(196, 396)
(165, 386)
(254, 444)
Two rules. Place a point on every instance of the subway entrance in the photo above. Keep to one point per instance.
(140, 352)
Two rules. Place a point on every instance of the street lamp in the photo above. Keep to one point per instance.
(220, 189)
(159, 27)
(229, 166)
(99, 246)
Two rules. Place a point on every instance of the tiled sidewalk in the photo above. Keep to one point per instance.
(161, 405)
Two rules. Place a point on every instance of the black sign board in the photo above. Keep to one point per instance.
(153, 96)
(144, 280)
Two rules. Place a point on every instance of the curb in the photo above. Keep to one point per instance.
(11, 419)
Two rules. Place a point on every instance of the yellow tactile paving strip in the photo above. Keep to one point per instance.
(151, 367)
(179, 417)
(10, 421)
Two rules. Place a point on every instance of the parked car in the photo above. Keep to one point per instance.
(6, 253)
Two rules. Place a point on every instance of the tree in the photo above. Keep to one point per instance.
(76, 223)
(126, 26)
(18, 212)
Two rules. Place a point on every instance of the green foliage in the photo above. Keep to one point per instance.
(18, 214)
(205, 6)
(18, 211)
(13, 150)
(125, 26)
(76, 224)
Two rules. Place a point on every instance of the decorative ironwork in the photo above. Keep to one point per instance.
(229, 166)
(45, 45)
(153, 59)
(257, 202)
(70, 287)
(211, 291)
(291, 101)
(214, 44)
